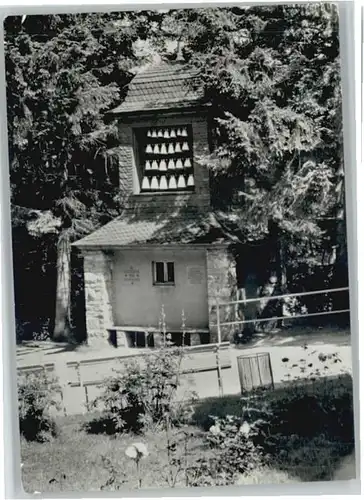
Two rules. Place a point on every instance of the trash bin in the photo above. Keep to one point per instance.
(255, 371)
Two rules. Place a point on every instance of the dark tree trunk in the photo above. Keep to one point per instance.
(274, 282)
(62, 329)
(78, 313)
(281, 273)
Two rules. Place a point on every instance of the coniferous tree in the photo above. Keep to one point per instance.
(63, 74)
(272, 75)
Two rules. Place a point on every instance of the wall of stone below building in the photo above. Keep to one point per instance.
(98, 296)
(222, 287)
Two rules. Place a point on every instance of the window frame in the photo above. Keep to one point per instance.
(166, 273)
(140, 140)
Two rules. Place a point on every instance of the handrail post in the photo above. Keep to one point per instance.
(218, 322)
(218, 363)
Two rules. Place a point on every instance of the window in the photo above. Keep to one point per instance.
(163, 273)
(165, 158)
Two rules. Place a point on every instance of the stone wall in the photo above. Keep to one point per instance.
(98, 296)
(221, 287)
(128, 177)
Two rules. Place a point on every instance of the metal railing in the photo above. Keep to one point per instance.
(274, 298)
(261, 320)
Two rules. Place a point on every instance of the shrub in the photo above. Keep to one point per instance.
(115, 478)
(143, 393)
(325, 408)
(38, 330)
(235, 453)
(305, 427)
(266, 475)
(205, 411)
(310, 426)
(253, 408)
(312, 459)
(207, 472)
(235, 439)
(36, 396)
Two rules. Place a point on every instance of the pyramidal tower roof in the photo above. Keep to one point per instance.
(163, 86)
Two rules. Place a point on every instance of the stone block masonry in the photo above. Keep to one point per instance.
(221, 287)
(99, 296)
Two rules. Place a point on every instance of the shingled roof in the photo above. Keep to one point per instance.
(142, 225)
(162, 87)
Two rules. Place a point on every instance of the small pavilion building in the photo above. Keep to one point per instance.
(166, 259)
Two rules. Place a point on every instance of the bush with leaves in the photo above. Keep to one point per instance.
(208, 409)
(267, 429)
(208, 472)
(115, 477)
(325, 408)
(143, 392)
(37, 394)
(234, 453)
(237, 443)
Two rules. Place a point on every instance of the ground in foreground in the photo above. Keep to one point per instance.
(79, 461)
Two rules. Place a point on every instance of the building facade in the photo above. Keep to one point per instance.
(166, 259)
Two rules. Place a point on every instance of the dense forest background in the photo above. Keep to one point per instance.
(272, 75)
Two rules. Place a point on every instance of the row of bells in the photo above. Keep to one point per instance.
(170, 165)
(167, 149)
(170, 133)
(174, 182)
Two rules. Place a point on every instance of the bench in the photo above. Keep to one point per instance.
(140, 336)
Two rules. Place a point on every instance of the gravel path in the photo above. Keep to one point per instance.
(293, 355)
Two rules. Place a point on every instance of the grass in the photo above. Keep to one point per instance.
(324, 389)
(311, 430)
(73, 461)
(268, 475)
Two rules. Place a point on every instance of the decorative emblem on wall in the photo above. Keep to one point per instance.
(195, 275)
(131, 275)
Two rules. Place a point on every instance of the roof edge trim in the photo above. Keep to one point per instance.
(186, 109)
